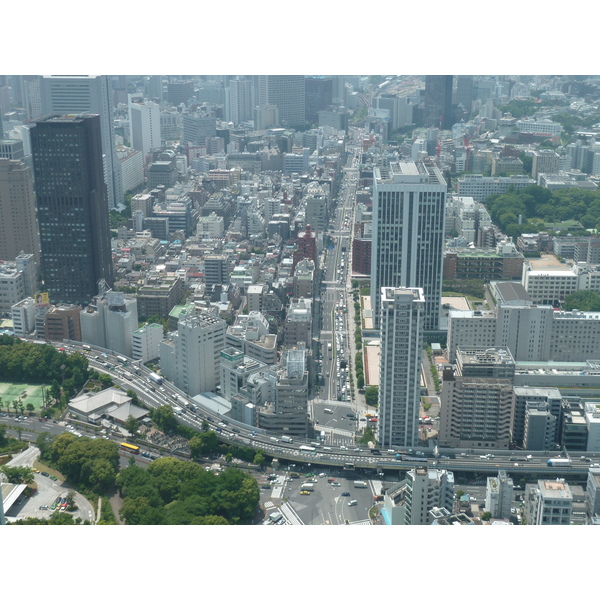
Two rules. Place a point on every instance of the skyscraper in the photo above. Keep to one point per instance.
(144, 123)
(401, 315)
(79, 94)
(438, 101)
(240, 100)
(18, 228)
(286, 92)
(408, 234)
(72, 206)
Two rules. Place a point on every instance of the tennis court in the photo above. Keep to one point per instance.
(13, 391)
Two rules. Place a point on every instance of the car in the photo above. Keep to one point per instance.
(336, 484)
(345, 493)
(53, 478)
(44, 507)
(45, 474)
(265, 486)
(236, 430)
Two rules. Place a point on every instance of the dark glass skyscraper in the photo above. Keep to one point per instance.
(438, 101)
(72, 206)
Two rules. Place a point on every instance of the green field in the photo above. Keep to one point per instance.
(12, 391)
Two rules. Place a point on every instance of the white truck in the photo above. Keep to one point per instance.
(287, 439)
(307, 487)
(360, 484)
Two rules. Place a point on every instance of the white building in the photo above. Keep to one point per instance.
(499, 495)
(531, 332)
(191, 358)
(23, 317)
(109, 322)
(211, 227)
(592, 492)
(412, 501)
(408, 234)
(144, 124)
(12, 287)
(402, 323)
(146, 341)
(592, 420)
(554, 504)
(480, 187)
(132, 168)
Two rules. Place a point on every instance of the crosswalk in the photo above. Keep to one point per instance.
(365, 522)
(269, 504)
(290, 515)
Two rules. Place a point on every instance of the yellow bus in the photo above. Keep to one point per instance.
(130, 448)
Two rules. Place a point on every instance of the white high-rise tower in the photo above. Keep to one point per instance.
(401, 318)
(408, 234)
(144, 123)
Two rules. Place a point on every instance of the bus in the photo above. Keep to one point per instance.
(130, 448)
(559, 462)
(307, 449)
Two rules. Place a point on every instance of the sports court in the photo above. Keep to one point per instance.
(14, 391)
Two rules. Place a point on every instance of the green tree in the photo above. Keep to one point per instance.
(368, 436)
(372, 395)
(585, 300)
(3, 438)
(102, 475)
(259, 458)
(139, 511)
(30, 407)
(44, 443)
(486, 516)
(131, 424)
(164, 418)
(228, 457)
(18, 475)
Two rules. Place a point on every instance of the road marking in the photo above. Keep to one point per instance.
(289, 513)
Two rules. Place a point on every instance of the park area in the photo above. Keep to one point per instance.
(29, 394)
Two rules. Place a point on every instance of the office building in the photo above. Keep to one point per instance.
(240, 100)
(477, 400)
(145, 342)
(12, 287)
(87, 94)
(318, 96)
(191, 358)
(72, 206)
(437, 111)
(18, 227)
(551, 503)
(110, 321)
(401, 320)
(286, 92)
(499, 495)
(413, 500)
(592, 493)
(61, 322)
(144, 125)
(479, 187)
(408, 234)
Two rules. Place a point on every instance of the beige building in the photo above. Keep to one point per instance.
(18, 227)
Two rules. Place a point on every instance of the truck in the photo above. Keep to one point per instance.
(360, 484)
(287, 439)
(307, 487)
(559, 462)
(155, 378)
(177, 410)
